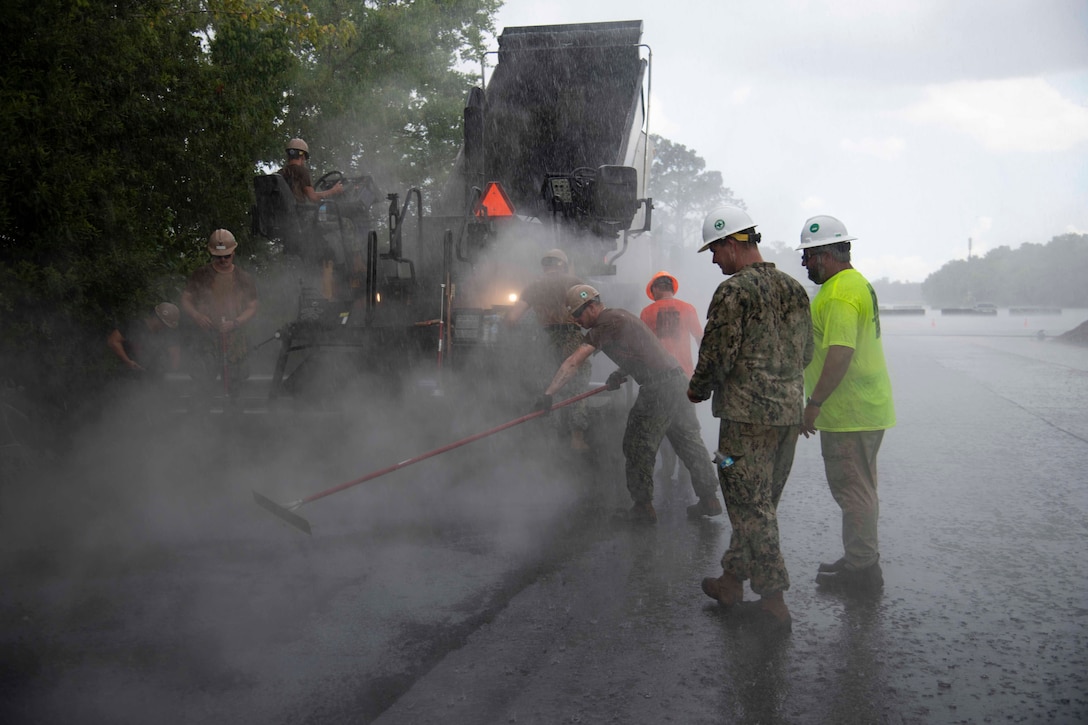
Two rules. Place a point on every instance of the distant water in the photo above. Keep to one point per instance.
(1000, 325)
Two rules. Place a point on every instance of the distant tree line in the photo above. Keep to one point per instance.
(134, 129)
(1041, 275)
(897, 293)
(684, 191)
(1054, 274)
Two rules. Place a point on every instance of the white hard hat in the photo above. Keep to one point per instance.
(723, 222)
(819, 231)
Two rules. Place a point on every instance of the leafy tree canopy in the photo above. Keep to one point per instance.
(1050, 275)
(683, 192)
(133, 129)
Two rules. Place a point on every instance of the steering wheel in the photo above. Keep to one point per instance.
(328, 181)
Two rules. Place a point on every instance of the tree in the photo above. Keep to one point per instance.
(897, 293)
(128, 139)
(1049, 274)
(386, 98)
(785, 257)
(683, 192)
(134, 129)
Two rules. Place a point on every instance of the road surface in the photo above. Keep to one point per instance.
(493, 585)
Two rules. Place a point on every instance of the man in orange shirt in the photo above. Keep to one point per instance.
(674, 322)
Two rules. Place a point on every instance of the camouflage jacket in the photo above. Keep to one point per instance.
(757, 342)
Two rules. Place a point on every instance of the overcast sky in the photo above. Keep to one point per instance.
(918, 123)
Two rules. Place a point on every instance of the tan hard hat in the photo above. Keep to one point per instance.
(221, 243)
(579, 295)
(168, 313)
(658, 276)
(556, 254)
(297, 144)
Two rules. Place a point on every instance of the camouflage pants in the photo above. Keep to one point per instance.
(752, 488)
(565, 339)
(219, 363)
(662, 410)
(670, 465)
(850, 465)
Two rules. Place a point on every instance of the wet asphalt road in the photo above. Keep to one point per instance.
(143, 585)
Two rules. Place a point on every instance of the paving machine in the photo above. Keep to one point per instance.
(555, 155)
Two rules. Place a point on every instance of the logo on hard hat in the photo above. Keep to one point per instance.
(814, 228)
(719, 225)
(583, 294)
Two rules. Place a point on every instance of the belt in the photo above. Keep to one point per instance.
(662, 377)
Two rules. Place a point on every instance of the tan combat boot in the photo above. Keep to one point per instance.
(643, 514)
(774, 613)
(708, 506)
(727, 589)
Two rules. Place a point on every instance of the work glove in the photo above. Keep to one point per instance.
(544, 402)
(615, 380)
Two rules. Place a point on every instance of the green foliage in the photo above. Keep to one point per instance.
(785, 257)
(387, 99)
(84, 223)
(1051, 275)
(897, 293)
(134, 129)
(683, 192)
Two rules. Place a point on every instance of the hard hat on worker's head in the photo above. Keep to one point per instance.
(656, 279)
(221, 243)
(728, 221)
(819, 231)
(297, 144)
(579, 295)
(168, 313)
(554, 254)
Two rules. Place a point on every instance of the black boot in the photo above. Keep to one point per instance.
(869, 580)
(832, 567)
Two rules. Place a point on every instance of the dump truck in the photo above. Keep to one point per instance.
(555, 154)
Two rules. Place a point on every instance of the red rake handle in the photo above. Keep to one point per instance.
(448, 447)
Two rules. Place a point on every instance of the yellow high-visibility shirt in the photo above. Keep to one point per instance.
(845, 312)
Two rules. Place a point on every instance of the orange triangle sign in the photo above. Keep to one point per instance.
(495, 201)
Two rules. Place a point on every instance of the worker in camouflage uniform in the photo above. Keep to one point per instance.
(757, 341)
(660, 410)
(547, 298)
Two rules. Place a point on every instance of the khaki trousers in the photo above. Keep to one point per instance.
(850, 466)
